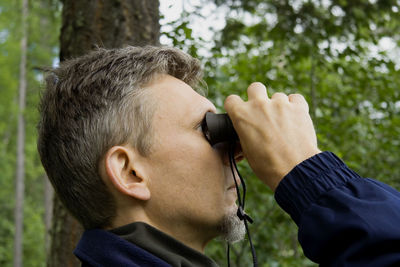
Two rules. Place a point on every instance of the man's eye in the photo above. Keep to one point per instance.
(203, 127)
(200, 127)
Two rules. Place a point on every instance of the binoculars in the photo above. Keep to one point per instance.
(218, 128)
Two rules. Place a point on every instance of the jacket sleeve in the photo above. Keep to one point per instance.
(343, 219)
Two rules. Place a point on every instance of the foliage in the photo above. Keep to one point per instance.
(329, 52)
(42, 48)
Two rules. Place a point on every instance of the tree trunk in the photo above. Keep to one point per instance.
(20, 172)
(85, 26)
(109, 24)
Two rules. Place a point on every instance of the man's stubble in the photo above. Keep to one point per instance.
(232, 229)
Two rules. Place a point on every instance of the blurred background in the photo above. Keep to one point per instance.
(342, 55)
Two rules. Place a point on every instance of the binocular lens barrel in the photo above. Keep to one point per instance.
(218, 128)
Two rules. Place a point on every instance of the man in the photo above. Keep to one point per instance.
(120, 138)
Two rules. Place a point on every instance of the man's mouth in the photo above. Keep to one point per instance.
(233, 185)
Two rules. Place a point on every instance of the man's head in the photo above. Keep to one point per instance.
(93, 103)
(120, 139)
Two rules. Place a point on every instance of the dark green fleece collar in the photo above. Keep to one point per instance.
(162, 245)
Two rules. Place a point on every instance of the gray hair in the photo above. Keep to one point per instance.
(92, 103)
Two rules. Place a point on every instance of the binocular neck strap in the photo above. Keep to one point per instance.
(241, 201)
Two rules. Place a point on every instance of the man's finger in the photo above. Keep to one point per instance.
(280, 95)
(298, 99)
(257, 91)
(231, 102)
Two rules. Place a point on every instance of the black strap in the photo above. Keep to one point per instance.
(241, 201)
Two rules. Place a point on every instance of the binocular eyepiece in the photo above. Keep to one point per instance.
(218, 128)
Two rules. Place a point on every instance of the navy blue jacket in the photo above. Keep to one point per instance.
(343, 220)
(101, 248)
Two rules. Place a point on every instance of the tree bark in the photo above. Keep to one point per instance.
(20, 168)
(85, 26)
(113, 23)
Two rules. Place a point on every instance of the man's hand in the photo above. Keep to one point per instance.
(275, 134)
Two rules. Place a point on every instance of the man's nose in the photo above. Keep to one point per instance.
(224, 148)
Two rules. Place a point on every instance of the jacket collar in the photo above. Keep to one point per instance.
(162, 245)
(101, 248)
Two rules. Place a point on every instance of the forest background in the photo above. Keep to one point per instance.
(342, 55)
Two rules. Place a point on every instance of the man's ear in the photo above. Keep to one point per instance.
(125, 172)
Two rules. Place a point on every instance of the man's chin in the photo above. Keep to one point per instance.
(232, 229)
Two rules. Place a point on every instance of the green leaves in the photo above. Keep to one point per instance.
(328, 51)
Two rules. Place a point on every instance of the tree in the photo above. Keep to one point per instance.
(20, 171)
(85, 26)
(41, 50)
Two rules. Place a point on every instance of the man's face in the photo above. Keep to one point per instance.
(190, 182)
